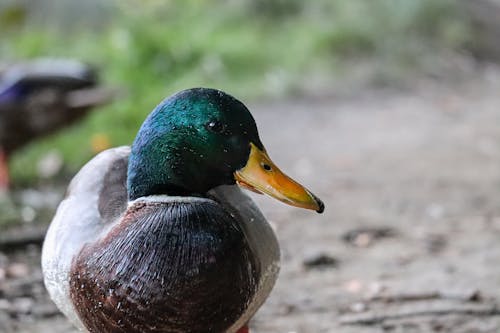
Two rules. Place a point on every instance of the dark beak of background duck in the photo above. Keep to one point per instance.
(261, 175)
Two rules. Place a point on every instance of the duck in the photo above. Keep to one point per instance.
(41, 96)
(159, 237)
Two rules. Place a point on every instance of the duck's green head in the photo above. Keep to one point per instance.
(199, 139)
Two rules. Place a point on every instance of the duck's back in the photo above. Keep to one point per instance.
(162, 264)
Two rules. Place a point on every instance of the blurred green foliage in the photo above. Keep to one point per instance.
(252, 49)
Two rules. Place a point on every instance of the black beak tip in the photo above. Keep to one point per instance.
(321, 208)
(321, 205)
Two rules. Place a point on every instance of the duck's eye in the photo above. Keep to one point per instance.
(215, 126)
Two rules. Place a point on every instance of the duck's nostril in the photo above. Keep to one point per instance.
(266, 166)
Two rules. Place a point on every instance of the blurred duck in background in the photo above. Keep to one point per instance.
(41, 96)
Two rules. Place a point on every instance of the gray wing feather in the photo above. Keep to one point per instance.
(112, 200)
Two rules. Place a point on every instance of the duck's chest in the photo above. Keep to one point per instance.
(180, 267)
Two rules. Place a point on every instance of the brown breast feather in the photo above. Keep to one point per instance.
(166, 267)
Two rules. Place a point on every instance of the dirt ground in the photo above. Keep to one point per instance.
(409, 241)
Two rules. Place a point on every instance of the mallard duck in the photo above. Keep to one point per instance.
(158, 237)
(40, 96)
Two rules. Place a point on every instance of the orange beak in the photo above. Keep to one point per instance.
(261, 175)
